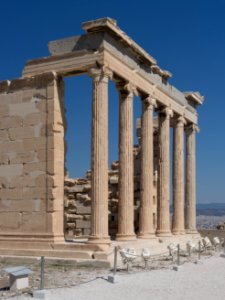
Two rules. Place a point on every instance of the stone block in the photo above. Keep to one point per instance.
(83, 210)
(4, 136)
(72, 203)
(113, 180)
(34, 95)
(55, 204)
(73, 217)
(76, 189)
(83, 197)
(22, 181)
(87, 217)
(4, 159)
(34, 222)
(15, 97)
(22, 157)
(4, 110)
(83, 224)
(11, 122)
(22, 109)
(112, 278)
(10, 221)
(86, 231)
(55, 222)
(14, 146)
(21, 133)
(78, 232)
(44, 180)
(44, 106)
(50, 154)
(11, 171)
(70, 225)
(6, 195)
(34, 143)
(87, 187)
(4, 182)
(72, 211)
(23, 205)
(18, 282)
(36, 166)
(35, 119)
(55, 168)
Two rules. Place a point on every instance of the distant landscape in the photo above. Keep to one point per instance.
(211, 209)
(209, 215)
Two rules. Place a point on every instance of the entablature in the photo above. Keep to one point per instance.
(106, 44)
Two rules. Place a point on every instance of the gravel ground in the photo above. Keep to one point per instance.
(191, 281)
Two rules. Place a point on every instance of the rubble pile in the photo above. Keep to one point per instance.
(77, 204)
(77, 201)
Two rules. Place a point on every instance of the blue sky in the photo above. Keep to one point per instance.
(186, 37)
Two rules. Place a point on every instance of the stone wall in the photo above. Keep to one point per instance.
(31, 158)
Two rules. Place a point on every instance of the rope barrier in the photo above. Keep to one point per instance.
(130, 261)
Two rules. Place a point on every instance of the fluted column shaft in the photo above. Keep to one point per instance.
(99, 158)
(163, 207)
(146, 228)
(178, 177)
(190, 193)
(126, 187)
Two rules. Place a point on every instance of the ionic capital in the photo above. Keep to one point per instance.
(193, 128)
(167, 112)
(98, 73)
(149, 102)
(126, 88)
(181, 121)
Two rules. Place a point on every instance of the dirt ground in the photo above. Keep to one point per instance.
(66, 274)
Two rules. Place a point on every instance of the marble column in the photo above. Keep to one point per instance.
(146, 228)
(178, 176)
(190, 192)
(163, 207)
(99, 158)
(126, 161)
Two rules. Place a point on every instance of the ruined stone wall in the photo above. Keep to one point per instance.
(77, 197)
(31, 158)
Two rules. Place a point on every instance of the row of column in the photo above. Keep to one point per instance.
(183, 221)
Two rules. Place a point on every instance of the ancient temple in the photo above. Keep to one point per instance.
(32, 147)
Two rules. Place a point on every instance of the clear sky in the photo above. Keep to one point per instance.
(187, 37)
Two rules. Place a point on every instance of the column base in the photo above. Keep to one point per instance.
(163, 233)
(126, 237)
(146, 236)
(191, 231)
(99, 240)
(178, 232)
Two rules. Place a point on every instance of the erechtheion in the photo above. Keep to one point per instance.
(32, 126)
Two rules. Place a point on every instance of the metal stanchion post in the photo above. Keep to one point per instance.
(199, 250)
(42, 273)
(146, 263)
(40, 294)
(176, 268)
(178, 254)
(115, 261)
(189, 252)
(111, 278)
